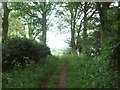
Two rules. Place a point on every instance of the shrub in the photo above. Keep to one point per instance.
(20, 51)
(111, 50)
(111, 54)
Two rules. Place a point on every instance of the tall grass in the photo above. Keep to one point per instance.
(29, 77)
(89, 73)
(83, 72)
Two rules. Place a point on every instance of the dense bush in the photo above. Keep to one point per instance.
(111, 50)
(111, 54)
(21, 51)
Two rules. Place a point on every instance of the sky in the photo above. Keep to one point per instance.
(56, 40)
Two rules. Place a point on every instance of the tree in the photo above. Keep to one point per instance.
(5, 19)
(45, 9)
(84, 28)
(0, 22)
(87, 12)
(76, 19)
(35, 15)
(69, 17)
(16, 28)
(102, 8)
(73, 12)
(74, 9)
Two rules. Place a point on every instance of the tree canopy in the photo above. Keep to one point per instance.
(93, 27)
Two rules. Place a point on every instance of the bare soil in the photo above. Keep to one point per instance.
(63, 77)
(61, 81)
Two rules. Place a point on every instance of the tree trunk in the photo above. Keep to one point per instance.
(102, 21)
(78, 42)
(30, 31)
(44, 25)
(102, 10)
(5, 20)
(74, 48)
(85, 30)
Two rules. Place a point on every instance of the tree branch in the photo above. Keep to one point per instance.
(79, 16)
(36, 34)
(91, 14)
(80, 25)
(89, 11)
(1, 16)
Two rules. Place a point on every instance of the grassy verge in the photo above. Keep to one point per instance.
(82, 73)
(88, 73)
(29, 77)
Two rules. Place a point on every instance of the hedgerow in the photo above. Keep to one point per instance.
(18, 51)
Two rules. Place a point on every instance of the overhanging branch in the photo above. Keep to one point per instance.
(91, 14)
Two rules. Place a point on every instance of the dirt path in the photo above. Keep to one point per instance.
(47, 79)
(61, 80)
(63, 76)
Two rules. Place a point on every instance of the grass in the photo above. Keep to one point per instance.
(54, 80)
(82, 73)
(88, 73)
(29, 77)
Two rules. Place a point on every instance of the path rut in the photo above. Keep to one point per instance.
(63, 77)
(47, 79)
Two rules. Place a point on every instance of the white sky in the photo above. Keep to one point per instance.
(57, 41)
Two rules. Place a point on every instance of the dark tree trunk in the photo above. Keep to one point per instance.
(44, 25)
(5, 20)
(102, 8)
(73, 45)
(85, 30)
(30, 31)
(78, 42)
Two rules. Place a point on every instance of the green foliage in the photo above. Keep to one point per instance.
(89, 72)
(16, 28)
(31, 14)
(113, 20)
(67, 51)
(31, 76)
(20, 51)
(86, 71)
(111, 51)
(82, 72)
(111, 45)
(110, 55)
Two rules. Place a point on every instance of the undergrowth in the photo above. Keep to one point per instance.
(31, 76)
(83, 72)
(89, 73)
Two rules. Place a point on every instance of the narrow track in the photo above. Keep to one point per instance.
(63, 77)
(46, 80)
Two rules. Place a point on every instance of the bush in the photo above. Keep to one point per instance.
(20, 51)
(111, 50)
(111, 53)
